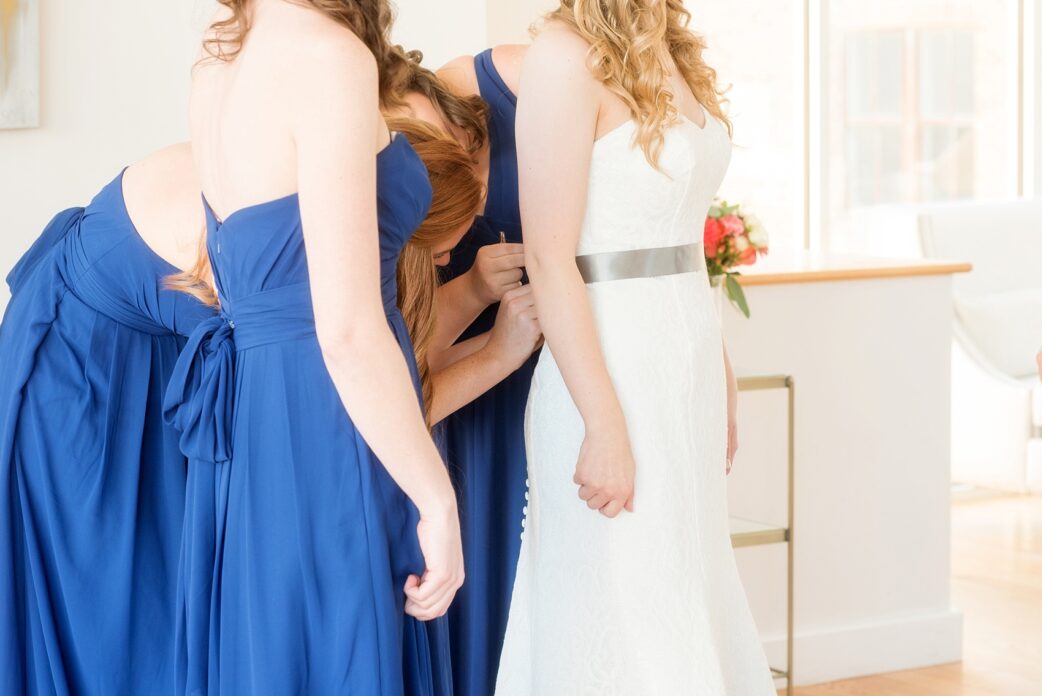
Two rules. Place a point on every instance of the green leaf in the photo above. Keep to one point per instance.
(736, 294)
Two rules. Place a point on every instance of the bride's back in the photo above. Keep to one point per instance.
(242, 115)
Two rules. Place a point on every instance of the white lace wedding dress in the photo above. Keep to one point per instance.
(650, 603)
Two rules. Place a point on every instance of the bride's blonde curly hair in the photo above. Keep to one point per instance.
(633, 46)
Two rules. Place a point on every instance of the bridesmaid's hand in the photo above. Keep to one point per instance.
(606, 471)
(429, 597)
(496, 269)
(516, 333)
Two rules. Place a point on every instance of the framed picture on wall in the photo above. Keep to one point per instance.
(19, 63)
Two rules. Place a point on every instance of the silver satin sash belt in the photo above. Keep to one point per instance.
(641, 263)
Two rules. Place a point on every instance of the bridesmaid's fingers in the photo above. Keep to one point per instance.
(432, 585)
(418, 612)
(427, 588)
(437, 603)
(509, 279)
(440, 603)
(510, 261)
(427, 614)
(506, 249)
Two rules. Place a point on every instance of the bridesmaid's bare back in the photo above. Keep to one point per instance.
(242, 111)
(161, 193)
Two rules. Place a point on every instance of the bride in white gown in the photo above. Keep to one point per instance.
(626, 582)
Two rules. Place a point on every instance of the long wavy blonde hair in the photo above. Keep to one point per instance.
(370, 20)
(633, 47)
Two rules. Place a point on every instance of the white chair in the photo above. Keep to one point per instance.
(996, 393)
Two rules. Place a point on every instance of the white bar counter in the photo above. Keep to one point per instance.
(868, 341)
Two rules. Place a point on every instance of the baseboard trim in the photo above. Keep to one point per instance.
(900, 643)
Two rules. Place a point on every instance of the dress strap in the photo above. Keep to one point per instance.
(490, 83)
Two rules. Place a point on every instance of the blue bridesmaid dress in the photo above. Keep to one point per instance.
(484, 441)
(297, 541)
(93, 480)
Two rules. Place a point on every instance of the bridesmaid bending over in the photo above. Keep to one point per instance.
(474, 99)
(93, 480)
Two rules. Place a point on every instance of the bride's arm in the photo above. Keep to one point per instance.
(557, 123)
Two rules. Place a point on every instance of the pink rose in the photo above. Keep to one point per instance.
(714, 232)
(748, 257)
(733, 225)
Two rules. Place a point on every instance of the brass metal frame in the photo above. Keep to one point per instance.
(756, 534)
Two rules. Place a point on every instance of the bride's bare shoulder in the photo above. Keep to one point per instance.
(559, 53)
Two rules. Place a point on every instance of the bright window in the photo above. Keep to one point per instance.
(912, 102)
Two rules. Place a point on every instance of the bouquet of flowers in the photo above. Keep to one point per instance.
(732, 238)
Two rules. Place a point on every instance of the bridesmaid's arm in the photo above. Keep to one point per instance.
(457, 308)
(557, 122)
(497, 267)
(513, 339)
(337, 146)
(465, 380)
(456, 352)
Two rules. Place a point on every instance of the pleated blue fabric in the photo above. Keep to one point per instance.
(92, 479)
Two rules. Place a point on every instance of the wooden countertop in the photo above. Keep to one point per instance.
(811, 267)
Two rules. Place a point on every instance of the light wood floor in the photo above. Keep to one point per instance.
(997, 582)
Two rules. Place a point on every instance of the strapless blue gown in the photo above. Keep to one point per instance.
(93, 480)
(297, 541)
(484, 441)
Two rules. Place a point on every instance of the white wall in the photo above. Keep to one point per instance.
(444, 29)
(871, 361)
(1035, 10)
(115, 77)
(509, 21)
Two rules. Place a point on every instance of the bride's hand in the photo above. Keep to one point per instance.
(606, 470)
